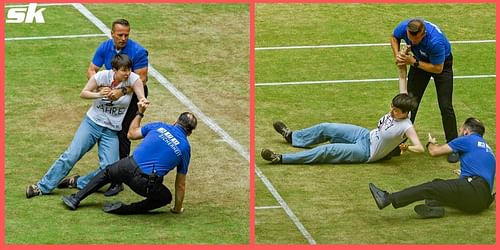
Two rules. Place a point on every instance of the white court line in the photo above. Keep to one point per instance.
(356, 81)
(187, 102)
(356, 45)
(267, 207)
(285, 206)
(51, 37)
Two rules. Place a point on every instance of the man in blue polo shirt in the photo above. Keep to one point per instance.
(121, 44)
(431, 57)
(164, 148)
(470, 193)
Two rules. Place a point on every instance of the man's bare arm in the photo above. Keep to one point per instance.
(92, 70)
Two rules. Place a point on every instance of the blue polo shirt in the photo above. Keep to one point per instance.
(164, 147)
(476, 157)
(433, 48)
(106, 51)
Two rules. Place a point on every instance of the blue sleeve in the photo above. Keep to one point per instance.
(183, 166)
(141, 59)
(148, 127)
(437, 55)
(99, 56)
(458, 144)
(400, 30)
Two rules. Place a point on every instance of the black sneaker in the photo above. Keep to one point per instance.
(453, 157)
(433, 203)
(429, 212)
(70, 201)
(114, 189)
(33, 190)
(281, 128)
(69, 182)
(381, 197)
(269, 155)
(112, 207)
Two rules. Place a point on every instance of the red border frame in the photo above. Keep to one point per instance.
(252, 244)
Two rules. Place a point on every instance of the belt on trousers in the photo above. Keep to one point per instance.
(470, 179)
(478, 178)
(447, 60)
(134, 163)
(153, 180)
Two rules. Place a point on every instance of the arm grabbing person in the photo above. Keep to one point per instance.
(402, 68)
(431, 57)
(436, 149)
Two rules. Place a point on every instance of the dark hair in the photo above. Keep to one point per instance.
(404, 102)
(415, 26)
(121, 22)
(474, 125)
(188, 121)
(121, 61)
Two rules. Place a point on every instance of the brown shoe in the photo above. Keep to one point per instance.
(33, 190)
(69, 182)
(269, 155)
(281, 128)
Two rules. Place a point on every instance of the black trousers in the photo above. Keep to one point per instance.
(126, 171)
(471, 196)
(123, 141)
(418, 80)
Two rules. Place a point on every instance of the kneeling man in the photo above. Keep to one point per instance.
(164, 148)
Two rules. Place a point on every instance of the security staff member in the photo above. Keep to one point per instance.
(432, 57)
(471, 192)
(164, 147)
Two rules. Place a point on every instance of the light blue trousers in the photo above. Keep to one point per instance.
(87, 135)
(348, 144)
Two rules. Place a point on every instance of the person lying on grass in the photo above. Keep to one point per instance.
(350, 143)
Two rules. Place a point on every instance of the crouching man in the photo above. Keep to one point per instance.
(164, 148)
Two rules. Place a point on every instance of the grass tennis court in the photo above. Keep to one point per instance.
(333, 203)
(202, 49)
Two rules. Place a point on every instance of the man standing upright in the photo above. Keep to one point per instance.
(431, 57)
(121, 44)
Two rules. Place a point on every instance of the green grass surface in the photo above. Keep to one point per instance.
(315, 24)
(344, 63)
(206, 58)
(333, 201)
